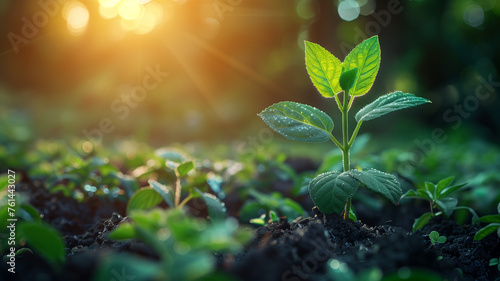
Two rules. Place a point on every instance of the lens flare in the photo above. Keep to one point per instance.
(77, 17)
(130, 9)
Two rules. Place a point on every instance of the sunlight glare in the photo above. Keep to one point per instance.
(77, 17)
(108, 12)
(109, 3)
(130, 9)
(153, 15)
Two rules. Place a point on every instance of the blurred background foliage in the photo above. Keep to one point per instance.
(66, 65)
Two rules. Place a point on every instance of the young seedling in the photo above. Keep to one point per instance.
(495, 261)
(438, 196)
(494, 224)
(273, 217)
(435, 238)
(149, 197)
(332, 191)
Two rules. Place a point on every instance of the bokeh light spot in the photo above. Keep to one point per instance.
(349, 10)
(77, 17)
(305, 9)
(129, 9)
(473, 15)
(108, 12)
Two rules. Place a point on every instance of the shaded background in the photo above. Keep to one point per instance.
(65, 64)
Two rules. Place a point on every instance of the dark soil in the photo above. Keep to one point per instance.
(300, 250)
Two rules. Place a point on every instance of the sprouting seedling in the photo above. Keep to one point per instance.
(438, 196)
(495, 261)
(273, 217)
(436, 238)
(494, 224)
(332, 191)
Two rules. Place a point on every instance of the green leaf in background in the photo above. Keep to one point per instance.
(143, 199)
(44, 239)
(388, 103)
(323, 68)
(487, 230)
(366, 57)
(421, 221)
(128, 267)
(185, 168)
(216, 208)
(330, 191)
(380, 182)
(447, 205)
(348, 79)
(123, 232)
(298, 122)
(164, 192)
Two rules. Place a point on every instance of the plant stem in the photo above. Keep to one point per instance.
(345, 147)
(353, 137)
(185, 200)
(177, 188)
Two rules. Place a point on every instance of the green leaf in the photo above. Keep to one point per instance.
(487, 230)
(348, 78)
(323, 68)
(298, 122)
(273, 216)
(421, 221)
(259, 221)
(44, 239)
(442, 184)
(120, 267)
(494, 261)
(489, 218)
(447, 205)
(143, 199)
(441, 239)
(330, 191)
(366, 57)
(449, 190)
(28, 213)
(388, 103)
(434, 235)
(164, 192)
(380, 182)
(185, 168)
(123, 232)
(216, 208)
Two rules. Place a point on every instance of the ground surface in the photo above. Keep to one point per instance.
(301, 250)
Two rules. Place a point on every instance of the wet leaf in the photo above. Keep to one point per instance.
(298, 122)
(330, 191)
(380, 182)
(388, 103)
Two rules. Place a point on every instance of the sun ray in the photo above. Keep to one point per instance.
(245, 70)
(198, 82)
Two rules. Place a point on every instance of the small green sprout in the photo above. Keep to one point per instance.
(494, 224)
(148, 197)
(435, 238)
(273, 217)
(438, 196)
(495, 261)
(332, 191)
